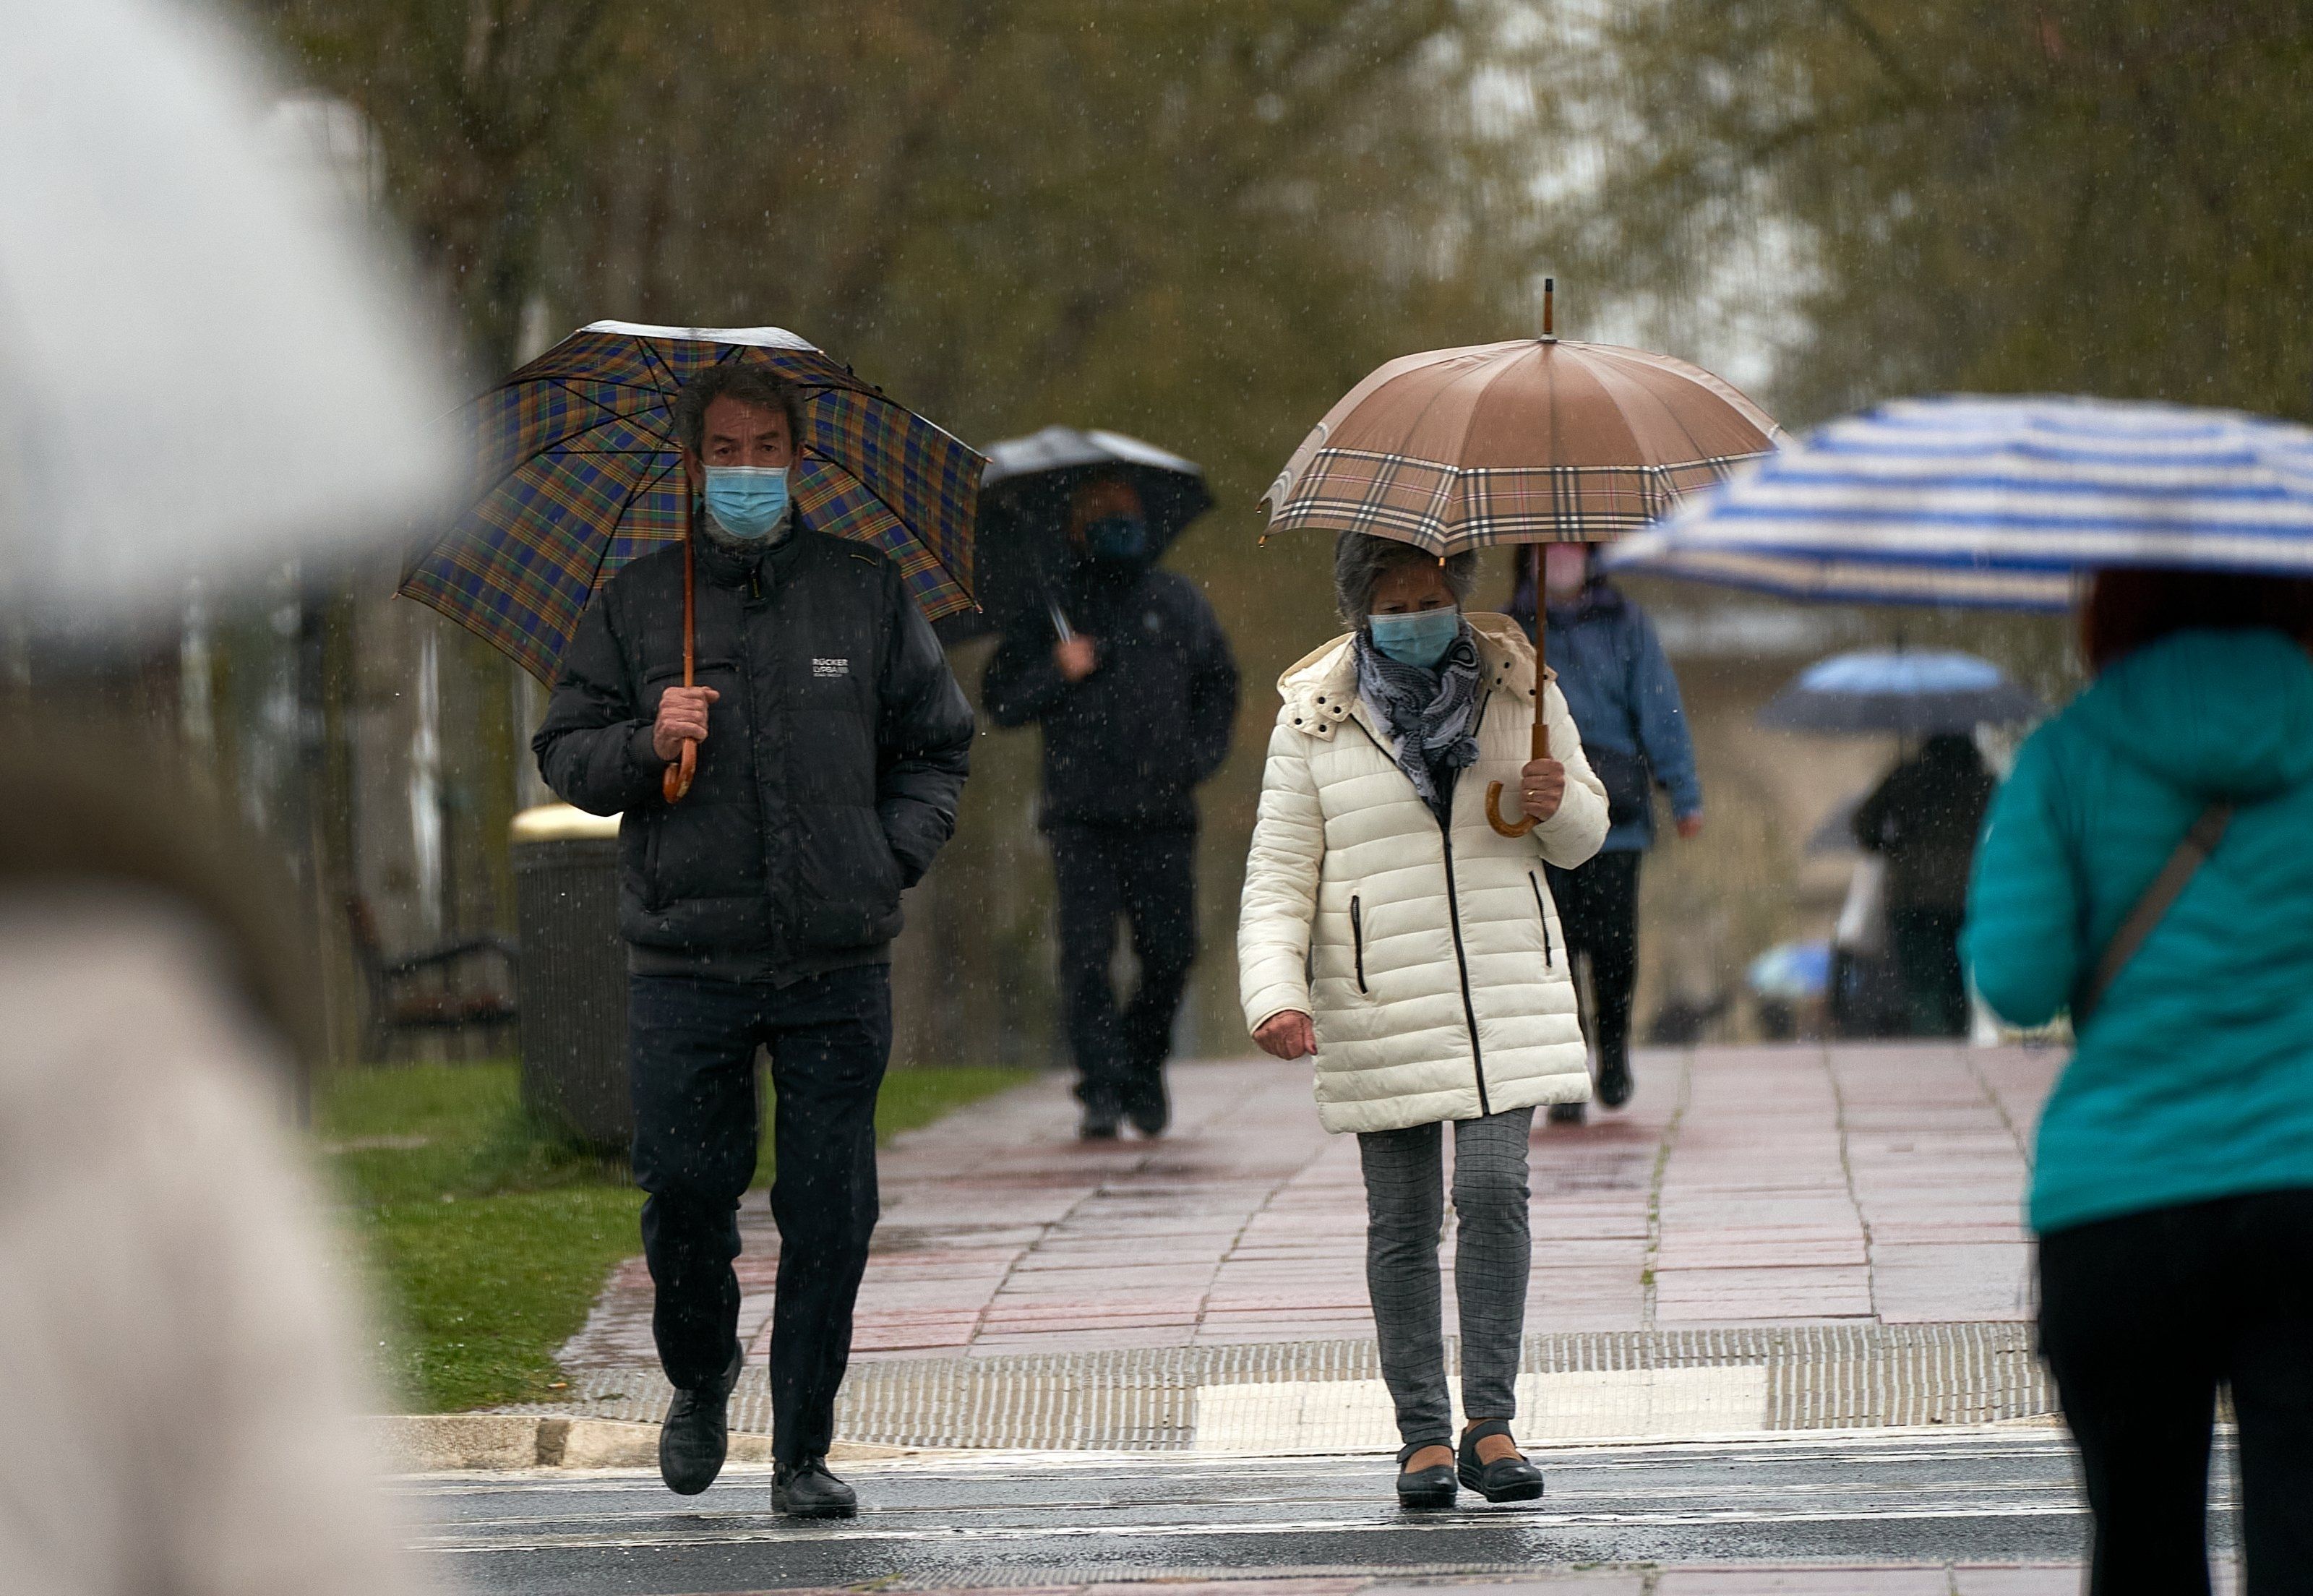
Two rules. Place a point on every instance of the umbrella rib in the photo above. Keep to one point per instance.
(595, 580)
(1694, 446)
(608, 414)
(922, 542)
(670, 387)
(1437, 396)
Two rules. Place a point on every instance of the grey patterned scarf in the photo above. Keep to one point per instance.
(1433, 713)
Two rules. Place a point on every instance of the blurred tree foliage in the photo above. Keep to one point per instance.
(1199, 221)
(2105, 196)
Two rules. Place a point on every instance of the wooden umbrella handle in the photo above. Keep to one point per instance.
(677, 779)
(1526, 823)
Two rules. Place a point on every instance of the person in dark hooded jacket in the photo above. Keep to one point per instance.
(832, 743)
(1922, 820)
(1136, 701)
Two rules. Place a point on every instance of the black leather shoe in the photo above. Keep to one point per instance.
(1566, 1113)
(1423, 1489)
(1149, 1109)
(692, 1441)
(1099, 1123)
(806, 1490)
(1504, 1479)
(1614, 1079)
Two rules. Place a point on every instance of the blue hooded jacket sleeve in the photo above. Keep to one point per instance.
(1661, 715)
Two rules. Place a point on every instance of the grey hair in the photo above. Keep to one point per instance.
(1360, 560)
(749, 383)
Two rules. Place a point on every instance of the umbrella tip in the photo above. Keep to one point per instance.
(1549, 319)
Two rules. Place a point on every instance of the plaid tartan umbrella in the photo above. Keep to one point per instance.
(1532, 441)
(577, 472)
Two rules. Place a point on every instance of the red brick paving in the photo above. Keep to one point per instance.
(1742, 1185)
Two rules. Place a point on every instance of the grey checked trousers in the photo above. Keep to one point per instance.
(1405, 1206)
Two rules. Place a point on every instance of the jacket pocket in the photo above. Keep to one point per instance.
(1542, 908)
(1358, 939)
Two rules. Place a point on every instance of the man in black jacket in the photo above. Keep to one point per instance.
(832, 743)
(1130, 675)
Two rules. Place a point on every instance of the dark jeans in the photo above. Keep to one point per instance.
(1150, 879)
(2141, 1318)
(691, 1043)
(1926, 946)
(1598, 910)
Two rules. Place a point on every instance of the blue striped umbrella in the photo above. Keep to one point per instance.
(1997, 503)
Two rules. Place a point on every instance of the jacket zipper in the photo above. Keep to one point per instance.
(1535, 882)
(1357, 938)
(1454, 916)
(1469, 1008)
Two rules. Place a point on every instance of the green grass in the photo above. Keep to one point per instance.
(488, 1237)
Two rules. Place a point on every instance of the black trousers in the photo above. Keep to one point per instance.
(691, 1045)
(1926, 944)
(1598, 910)
(1150, 879)
(2141, 1318)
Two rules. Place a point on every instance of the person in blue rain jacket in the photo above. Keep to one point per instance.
(1624, 698)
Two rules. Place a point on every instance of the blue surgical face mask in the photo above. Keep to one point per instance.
(747, 501)
(1419, 639)
(1122, 537)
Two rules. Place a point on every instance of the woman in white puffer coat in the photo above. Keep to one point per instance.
(1390, 931)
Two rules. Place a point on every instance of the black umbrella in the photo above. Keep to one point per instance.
(1024, 514)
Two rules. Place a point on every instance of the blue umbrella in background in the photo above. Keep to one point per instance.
(1997, 502)
(1906, 693)
(1791, 972)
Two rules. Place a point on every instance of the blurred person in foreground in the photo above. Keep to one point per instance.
(1624, 698)
(1137, 704)
(2172, 1185)
(1923, 821)
(1388, 930)
(760, 909)
(184, 1394)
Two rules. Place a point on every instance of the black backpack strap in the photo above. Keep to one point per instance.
(2208, 829)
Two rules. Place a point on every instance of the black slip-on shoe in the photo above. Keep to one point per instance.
(1504, 1479)
(806, 1490)
(1566, 1113)
(1150, 1110)
(1099, 1123)
(1424, 1489)
(1614, 1079)
(692, 1441)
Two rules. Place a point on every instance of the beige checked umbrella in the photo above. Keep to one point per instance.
(1531, 441)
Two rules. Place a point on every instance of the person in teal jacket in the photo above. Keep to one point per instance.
(2172, 1189)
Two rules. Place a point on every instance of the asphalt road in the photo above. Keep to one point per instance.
(1047, 1518)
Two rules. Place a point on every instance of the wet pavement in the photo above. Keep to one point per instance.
(1978, 1512)
(1776, 1305)
(1799, 1237)
(1788, 1184)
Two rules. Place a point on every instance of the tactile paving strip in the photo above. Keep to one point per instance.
(1819, 1377)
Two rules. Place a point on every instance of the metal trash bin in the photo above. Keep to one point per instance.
(573, 973)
